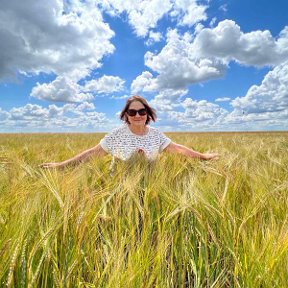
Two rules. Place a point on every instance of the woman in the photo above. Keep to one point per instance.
(135, 136)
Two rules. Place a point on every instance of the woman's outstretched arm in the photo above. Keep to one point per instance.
(80, 158)
(181, 149)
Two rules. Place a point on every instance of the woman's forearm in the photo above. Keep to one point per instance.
(80, 158)
(189, 152)
(181, 149)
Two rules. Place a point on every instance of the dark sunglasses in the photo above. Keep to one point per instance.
(133, 112)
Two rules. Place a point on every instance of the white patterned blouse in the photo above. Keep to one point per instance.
(122, 143)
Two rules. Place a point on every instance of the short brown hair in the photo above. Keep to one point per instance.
(151, 113)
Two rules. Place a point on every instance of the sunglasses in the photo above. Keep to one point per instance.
(133, 112)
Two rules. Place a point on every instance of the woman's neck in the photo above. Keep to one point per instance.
(138, 130)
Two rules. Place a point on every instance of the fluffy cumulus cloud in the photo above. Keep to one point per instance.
(227, 42)
(3, 114)
(61, 89)
(105, 85)
(30, 117)
(153, 38)
(168, 99)
(188, 58)
(144, 82)
(192, 115)
(65, 89)
(144, 15)
(271, 96)
(177, 65)
(201, 111)
(51, 36)
(189, 12)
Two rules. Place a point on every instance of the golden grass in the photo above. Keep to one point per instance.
(174, 223)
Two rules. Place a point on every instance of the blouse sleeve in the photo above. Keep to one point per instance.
(164, 141)
(107, 143)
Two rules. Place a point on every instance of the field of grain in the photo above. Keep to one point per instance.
(176, 222)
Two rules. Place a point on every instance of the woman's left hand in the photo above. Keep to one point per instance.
(210, 156)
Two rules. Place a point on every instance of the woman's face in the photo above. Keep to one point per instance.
(137, 120)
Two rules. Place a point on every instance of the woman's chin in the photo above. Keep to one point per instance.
(138, 123)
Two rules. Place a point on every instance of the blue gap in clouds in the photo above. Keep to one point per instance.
(127, 61)
(17, 94)
(259, 15)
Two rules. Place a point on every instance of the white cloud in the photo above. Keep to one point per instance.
(212, 22)
(65, 89)
(270, 96)
(187, 59)
(147, 15)
(265, 106)
(52, 37)
(198, 28)
(143, 15)
(162, 105)
(222, 99)
(85, 106)
(168, 99)
(189, 11)
(28, 112)
(153, 38)
(61, 89)
(69, 116)
(143, 82)
(206, 116)
(224, 8)
(3, 114)
(105, 84)
(228, 43)
(202, 110)
(197, 115)
(178, 66)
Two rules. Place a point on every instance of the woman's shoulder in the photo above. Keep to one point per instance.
(154, 130)
(119, 130)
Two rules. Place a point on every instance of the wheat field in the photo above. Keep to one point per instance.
(176, 222)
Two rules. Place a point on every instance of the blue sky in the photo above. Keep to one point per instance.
(69, 66)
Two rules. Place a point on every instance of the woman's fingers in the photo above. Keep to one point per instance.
(210, 156)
